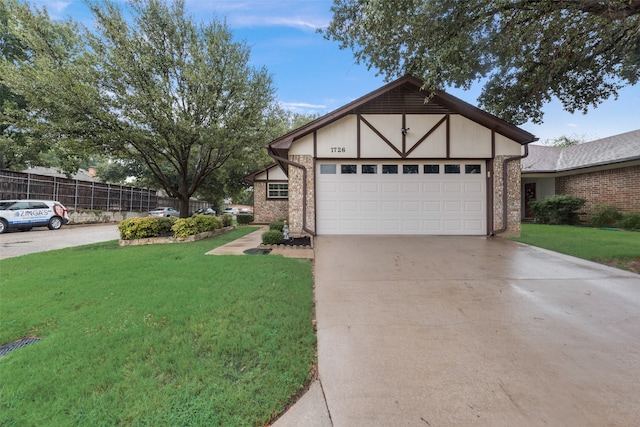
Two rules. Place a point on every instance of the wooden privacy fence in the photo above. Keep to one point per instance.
(76, 194)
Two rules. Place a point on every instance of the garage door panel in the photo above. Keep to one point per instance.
(369, 206)
(349, 187)
(369, 187)
(411, 187)
(402, 203)
(349, 206)
(452, 206)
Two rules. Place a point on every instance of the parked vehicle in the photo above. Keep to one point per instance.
(25, 214)
(205, 211)
(164, 211)
(246, 211)
(232, 211)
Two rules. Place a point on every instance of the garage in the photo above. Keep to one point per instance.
(426, 197)
(400, 160)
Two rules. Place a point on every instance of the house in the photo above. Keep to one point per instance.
(392, 162)
(604, 171)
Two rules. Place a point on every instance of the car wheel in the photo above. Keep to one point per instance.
(55, 223)
(3, 226)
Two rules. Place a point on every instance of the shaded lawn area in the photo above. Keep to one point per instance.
(616, 248)
(159, 335)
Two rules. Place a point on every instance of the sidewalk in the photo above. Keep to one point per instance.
(253, 240)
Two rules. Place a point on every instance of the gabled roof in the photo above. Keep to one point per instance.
(405, 95)
(252, 176)
(614, 149)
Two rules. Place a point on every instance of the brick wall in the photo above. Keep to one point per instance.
(296, 194)
(513, 197)
(619, 187)
(267, 210)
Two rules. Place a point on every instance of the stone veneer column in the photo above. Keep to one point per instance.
(296, 194)
(513, 197)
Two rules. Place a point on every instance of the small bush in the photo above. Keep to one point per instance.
(605, 216)
(207, 223)
(244, 219)
(559, 209)
(165, 224)
(272, 237)
(227, 219)
(139, 228)
(185, 227)
(630, 221)
(277, 225)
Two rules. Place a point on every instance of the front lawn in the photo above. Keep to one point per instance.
(153, 335)
(612, 247)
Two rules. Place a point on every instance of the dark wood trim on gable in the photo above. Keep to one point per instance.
(404, 95)
(426, 135)
(381, 136)
(448, 156)
(358, 136)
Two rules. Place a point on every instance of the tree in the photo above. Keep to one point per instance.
(524, 51)
(151, 88)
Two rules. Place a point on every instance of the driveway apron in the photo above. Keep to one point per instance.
(456, 331)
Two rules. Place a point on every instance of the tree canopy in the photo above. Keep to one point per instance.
(525, 52)
(148, 86)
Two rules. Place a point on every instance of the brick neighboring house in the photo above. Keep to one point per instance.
(391, 163)
(604, 171)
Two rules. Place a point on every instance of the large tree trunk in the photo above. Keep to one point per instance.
(184, 207)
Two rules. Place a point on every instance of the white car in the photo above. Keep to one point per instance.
(25, 214)
(232, 211)
(164, 211)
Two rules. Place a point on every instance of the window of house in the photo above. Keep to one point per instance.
(278, 190)
(409, 169)
(369, 169)
(432, 169)
(348, 169)
(451, 168)
(472, 169)
(390, 169)
(328, 169)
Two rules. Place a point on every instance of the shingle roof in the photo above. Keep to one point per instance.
(613, 149)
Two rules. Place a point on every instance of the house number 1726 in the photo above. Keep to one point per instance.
(338, 149)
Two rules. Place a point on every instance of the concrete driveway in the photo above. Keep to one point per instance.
(457, 331)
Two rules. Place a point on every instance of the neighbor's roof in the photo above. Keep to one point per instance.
(614, 149)
(405, 95)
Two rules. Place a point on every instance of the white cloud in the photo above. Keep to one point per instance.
(296, 106)
(572, 125)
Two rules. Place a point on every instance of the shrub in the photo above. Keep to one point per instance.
(244, 219)
(272, 237)
(226, 220)
(630, 221)
(185, 227)
(165, 224)
(139, 228)
(605, 216)
(559, 209)
(277, 225)
(207, 223)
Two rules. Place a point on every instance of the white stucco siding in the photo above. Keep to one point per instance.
(435, 146)
(468, 139)
(302, 146)
(506, 146)
(338, 139)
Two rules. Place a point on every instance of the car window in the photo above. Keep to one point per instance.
(38, 205)
(4, 205)
(19, 205)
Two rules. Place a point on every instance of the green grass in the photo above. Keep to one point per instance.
(587, 243)
(157, 335)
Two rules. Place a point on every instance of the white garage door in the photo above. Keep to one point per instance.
(401, 198)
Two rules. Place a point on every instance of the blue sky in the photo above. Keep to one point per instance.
(312, 74)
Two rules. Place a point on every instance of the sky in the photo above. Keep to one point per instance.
(313, 75)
